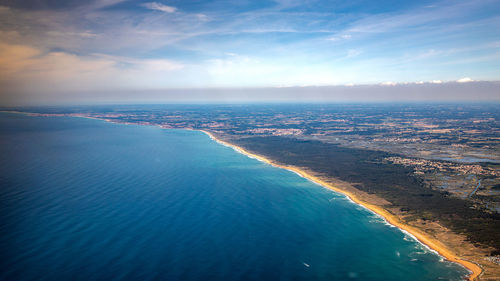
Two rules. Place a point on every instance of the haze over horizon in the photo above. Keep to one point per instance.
(125, 51)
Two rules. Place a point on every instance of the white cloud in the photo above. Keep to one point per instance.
(337, 38)
(159, 7)
(202, 17)
(159, 65)
(235, 70)
(465, 80)
(389, 83)
(309, 60)
(436, 81)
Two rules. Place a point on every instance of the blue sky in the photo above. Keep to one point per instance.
(112, 45)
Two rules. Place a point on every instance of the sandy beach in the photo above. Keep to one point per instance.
(432, 243)
(422, 237)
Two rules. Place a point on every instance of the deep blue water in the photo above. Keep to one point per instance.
(88, 200)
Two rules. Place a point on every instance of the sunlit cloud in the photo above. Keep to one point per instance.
(61, 71)
(389, 83)
(110, 44)
(159, 7)
(465, 80)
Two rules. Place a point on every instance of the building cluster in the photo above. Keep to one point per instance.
(275, 131)
(422, 166)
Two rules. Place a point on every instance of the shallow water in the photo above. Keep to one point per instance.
(88, 200)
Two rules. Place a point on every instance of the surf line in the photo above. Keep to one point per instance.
(421, 237)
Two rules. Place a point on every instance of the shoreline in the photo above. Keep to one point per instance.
(421, 237)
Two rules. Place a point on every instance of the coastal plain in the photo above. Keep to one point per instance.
(431, 242)
(91, 200)
(432, 169)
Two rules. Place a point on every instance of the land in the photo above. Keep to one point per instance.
(431, 242)
(433, 169)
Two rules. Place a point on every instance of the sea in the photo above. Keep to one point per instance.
(84, 199)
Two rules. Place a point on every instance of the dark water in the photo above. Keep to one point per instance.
(88, 200)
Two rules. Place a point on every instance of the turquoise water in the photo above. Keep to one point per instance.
(89, 200)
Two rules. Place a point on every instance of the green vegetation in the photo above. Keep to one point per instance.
(443, 150)
(394, 183)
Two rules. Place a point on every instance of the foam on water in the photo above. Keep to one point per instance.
(92, 200)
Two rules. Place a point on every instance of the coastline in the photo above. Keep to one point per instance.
(433, 244)
(420, 236)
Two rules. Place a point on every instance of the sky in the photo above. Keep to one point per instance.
(128, 50)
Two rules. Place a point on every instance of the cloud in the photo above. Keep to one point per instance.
(412, 19)
(14, 58)
(99, 4)
(465, 80)
(337, 38)
(159, 7)
(389, 83)
(202, 17)
(27, 69)
(222, 44)
(470, 92)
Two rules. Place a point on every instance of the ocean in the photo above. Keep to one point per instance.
(84, 199)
